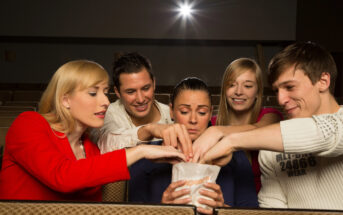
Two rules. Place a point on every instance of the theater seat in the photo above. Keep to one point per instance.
(67, 208)
(263, 211)
(115, 192)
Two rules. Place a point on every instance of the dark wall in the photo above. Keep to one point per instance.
(152, 19)
(37, 36)
(322, 22)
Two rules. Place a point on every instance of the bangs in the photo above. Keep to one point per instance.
(234, 74)
(90, 75)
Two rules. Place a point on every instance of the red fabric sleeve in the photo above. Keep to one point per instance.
(32, 144)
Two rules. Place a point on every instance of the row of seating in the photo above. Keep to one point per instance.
(31, 97)
(82, 208)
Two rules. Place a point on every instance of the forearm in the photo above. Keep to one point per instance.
(134, 154)
(265, 138)
(226, 130)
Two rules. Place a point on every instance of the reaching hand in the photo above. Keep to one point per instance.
(215, 194)
(220, 154)
(170, 196)
(166, 154)
(206, 140)
(175, 135)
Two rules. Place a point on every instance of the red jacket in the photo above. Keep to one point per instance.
(39, 164)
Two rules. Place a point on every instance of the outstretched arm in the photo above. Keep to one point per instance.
(152, 152)
(267, 138)
(215, 133)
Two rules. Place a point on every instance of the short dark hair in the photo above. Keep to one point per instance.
(189, 83)
(131, 62)
(307, 56)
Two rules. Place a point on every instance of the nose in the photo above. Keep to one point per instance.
(282, 97)
(238, 90)
(193, 118)
(139, 97)
(104, 101)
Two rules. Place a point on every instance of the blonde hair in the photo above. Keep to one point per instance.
(235, 69)
(73, 75)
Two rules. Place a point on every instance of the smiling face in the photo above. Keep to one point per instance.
(241, 94)
(296, 93)
(192, 108)
(136, 93)
(88, 106)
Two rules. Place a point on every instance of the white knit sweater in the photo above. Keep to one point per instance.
(119, 131)
(312, 178)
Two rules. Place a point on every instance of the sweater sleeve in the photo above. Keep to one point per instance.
(33, 145)
(271, 194)
(118, 132)
(321, 135)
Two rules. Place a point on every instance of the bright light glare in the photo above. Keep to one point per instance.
(185, 10)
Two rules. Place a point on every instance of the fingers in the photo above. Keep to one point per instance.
(177, 136)
(173, 153)
(184, 140)
(175, 197)
(215, 193)
(204, 211)
(220, 154)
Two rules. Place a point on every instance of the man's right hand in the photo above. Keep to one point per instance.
(175, 135)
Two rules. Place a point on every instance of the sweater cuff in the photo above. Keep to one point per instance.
(300, 136)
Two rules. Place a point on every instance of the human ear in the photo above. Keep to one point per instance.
(324, 82)
(65, 101)
(116, 91)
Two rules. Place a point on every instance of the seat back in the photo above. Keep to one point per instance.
(3, 132)
(6, 121)
(115, 192)
(27, 95)
(67, 208)
(263, 211)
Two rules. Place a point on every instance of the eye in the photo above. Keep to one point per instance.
(93, 94)
(289, 87)
(146, 88)
(130, 92)
(248, 86)
(202, 113)
(183, 112)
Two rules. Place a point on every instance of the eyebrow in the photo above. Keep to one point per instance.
(199, 106)
(283, 83)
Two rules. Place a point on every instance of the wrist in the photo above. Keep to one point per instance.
(144, 132)
(233, 141)
(218, 131)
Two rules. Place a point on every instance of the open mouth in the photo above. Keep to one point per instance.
(100, 114)
(141, 107)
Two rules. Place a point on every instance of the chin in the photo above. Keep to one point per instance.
(194, 137)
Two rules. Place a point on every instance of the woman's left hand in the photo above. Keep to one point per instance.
(216, 198)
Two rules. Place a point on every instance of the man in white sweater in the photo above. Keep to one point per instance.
(136, 116)
(303, 167)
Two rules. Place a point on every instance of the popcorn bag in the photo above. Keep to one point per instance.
(196, 175)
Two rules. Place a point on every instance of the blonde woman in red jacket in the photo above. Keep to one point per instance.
(48, 155)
